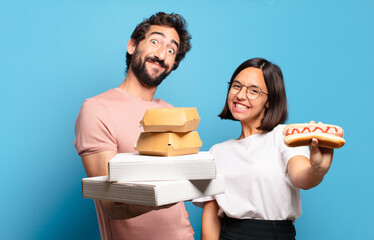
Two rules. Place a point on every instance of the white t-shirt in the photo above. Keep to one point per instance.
(257, 185)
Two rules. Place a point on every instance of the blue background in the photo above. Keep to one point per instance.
(55, 54)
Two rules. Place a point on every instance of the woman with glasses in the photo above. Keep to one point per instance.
(263, 176)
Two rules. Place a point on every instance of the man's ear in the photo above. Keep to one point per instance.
(131, 45)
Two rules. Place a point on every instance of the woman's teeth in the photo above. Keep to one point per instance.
(240, 106)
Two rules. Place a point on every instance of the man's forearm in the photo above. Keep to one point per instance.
(96, 165)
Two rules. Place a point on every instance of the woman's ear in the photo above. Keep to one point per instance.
(267, 105)
(131, 46)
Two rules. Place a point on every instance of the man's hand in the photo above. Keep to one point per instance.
(97, 165)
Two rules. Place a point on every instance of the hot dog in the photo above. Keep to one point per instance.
(329, 136)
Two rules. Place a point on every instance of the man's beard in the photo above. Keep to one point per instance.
(139, 69)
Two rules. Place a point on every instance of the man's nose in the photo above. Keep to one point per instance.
(161, 53)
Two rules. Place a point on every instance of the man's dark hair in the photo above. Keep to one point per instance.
(173, 20)
(276, 113)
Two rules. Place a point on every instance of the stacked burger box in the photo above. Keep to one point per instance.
(168, 167)
(169, 132)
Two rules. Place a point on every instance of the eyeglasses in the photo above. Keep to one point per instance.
(253, 92)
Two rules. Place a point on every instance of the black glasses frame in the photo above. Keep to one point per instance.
(241, 86)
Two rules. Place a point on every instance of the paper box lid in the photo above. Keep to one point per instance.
(135, 167)
(151, 193)
(170, 120)
(168, 144)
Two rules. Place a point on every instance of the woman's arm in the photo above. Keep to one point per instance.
(210, 223)
(307, 173)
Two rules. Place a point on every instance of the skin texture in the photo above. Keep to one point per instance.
(154, 58)
(304, 173)
(146, 48)
(160, 43)
(211, 223)
(249, 112)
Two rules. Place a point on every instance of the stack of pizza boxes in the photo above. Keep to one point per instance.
(167, 168)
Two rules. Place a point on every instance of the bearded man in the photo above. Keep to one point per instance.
(108, 124)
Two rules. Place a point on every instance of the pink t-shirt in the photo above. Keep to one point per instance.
(110, 122)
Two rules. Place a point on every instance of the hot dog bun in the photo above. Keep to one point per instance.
(301, 134)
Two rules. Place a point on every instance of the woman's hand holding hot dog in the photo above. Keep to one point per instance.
(307, 173)
(320, 157)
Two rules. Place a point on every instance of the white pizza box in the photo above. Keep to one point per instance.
(150, 193)
(135, 167)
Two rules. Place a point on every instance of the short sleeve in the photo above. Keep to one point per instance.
(199, 202)
(93, 130)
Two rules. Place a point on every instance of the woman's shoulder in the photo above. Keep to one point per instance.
(278, 130)
(221, 145)
(222, 150)
(279, 127)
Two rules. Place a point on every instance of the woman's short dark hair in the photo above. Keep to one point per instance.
(173, 20)
(276, 113)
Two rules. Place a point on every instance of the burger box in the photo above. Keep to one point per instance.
(152, 193)
(134, 167)
(168, 143)
(170, 120)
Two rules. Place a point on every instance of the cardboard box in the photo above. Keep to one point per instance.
(170, 120)
(168, 144)
(134, 167)
(153, 193)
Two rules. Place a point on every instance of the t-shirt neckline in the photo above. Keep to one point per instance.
(129, 95)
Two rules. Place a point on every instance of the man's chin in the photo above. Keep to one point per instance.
(155, 73)
(154, 77)
(151, 81)
(150, 77)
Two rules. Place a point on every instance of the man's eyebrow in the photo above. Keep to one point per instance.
(163, 35)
